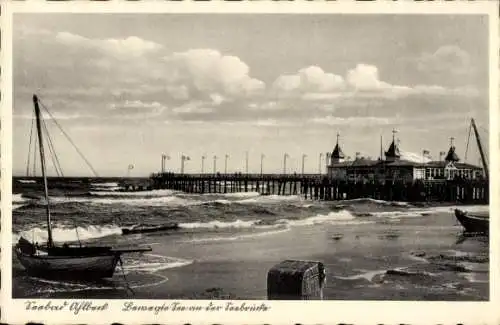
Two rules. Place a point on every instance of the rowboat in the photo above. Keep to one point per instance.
(473, 223)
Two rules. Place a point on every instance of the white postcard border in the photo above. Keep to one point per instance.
(306, 312)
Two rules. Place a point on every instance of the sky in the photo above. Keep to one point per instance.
(128, 88)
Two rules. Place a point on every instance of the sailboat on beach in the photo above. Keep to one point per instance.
(50, 260)
(475, 223)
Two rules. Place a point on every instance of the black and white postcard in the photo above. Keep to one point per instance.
(263, 162)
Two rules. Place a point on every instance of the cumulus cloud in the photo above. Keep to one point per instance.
(207, 73)
(362, 81)
(365, 77)
(312, 83)
(446, 59)
(136, 78)
(310, 79)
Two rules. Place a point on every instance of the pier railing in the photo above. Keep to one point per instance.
(319, 187)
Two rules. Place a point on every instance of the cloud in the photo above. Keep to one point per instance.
(351, 121)
(136, 109)
(267, 105)
(56, 116)
(202, 73)
(361, 82)
(136, 104)
(448, 59)
(315, 84)
(194, 107)
(365, 77)
(130, 46)
(310, 79)
(217, 99)
(137, 78)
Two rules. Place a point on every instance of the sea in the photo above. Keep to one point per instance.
(226, 243)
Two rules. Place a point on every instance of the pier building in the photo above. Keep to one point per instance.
(394, 168)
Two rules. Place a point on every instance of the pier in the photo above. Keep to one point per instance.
(320, 187)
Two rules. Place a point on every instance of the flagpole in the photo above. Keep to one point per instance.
(183, 159)
(246, 162)
(284, 163)
(303, 162)
(261, 163)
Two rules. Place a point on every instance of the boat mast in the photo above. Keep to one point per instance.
(42, 160)
(483, 158)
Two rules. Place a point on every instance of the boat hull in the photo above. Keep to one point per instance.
(472, 223)
(102, 266)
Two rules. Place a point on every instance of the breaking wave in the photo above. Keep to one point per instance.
(18, 201)
(216, 224)
(379, 202)
(27, 181)
(18, 198)
(65, 234)
(153, 263)
(242, 194)
(145, 194)
(342, 217)
(119, 199)
(105, 185)
(238, 237)
(263, 199)
(421, 212)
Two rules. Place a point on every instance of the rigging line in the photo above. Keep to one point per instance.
(50, 148)
(69, 139)
(34, 156)
(29, 149)
(468, 139)
(53, 154)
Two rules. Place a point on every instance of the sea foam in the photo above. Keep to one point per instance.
(215, 224)
(152, 193)
(65, 234)
(342, 217)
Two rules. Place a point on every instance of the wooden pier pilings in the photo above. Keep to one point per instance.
(319, 187)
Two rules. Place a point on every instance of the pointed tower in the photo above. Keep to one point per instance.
(337, 154)
(452, 155)
(392, 154)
